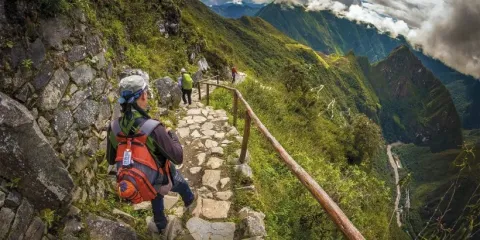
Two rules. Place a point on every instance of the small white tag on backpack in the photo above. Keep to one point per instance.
(127, 158)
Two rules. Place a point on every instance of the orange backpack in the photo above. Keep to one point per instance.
(137, 169)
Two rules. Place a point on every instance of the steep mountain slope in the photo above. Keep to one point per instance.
(252, 44)
(464, 90)
(416, 107)
(325, 32)
(62, 62)
(230, 10)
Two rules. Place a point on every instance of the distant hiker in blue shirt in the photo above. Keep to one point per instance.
(185, 83)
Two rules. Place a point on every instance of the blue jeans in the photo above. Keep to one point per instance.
(181, 187)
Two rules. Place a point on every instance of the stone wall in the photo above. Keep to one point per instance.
(57, 71)
(57, 96)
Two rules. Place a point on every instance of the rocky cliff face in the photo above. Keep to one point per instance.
(28, 156)
(416, 107)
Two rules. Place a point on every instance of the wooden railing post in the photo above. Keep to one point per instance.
(246, 136)
(199, 91)
(208, 94)
(235, 108)
(217, 80)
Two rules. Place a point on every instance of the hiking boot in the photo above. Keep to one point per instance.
(156, 234)
(152, 227)
(191, 205)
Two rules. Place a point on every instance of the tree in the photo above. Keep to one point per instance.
(365, 139)
(296, 79)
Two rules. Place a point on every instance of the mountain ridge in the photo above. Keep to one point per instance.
(233, 10)
(325, 32)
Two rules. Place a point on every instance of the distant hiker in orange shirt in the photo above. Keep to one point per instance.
(234, 74)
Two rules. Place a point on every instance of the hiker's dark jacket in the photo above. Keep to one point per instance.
(167, 147)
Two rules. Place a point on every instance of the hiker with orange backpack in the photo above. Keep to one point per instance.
(142, 150)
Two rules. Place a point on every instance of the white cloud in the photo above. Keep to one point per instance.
(319, 5)
(452, 34)
(384, 24)
(361, 14)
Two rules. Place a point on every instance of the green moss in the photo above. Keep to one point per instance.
(27, 64)
(13, 183)
(48, 217)
(9, 44)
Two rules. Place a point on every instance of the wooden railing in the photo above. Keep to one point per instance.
(332, 209)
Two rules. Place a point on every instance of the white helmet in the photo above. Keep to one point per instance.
(183, 70)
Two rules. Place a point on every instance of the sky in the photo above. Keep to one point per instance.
(448, 30)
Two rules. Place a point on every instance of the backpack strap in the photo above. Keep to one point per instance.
(115, 125)
(148, 126)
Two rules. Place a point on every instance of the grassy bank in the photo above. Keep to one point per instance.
(317, 145)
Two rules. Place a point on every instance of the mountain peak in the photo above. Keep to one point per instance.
(402, 57)
(403, 84)
(402, 50)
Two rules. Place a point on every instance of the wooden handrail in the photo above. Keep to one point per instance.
(327, 203)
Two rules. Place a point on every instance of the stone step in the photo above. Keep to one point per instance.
(201, 229)
(205, 133)
(211, 209)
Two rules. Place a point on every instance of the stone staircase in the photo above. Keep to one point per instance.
(206, 135)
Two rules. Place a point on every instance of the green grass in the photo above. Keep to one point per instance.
(318, 145)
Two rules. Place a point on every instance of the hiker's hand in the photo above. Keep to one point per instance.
(172, 135)
(169, 129)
